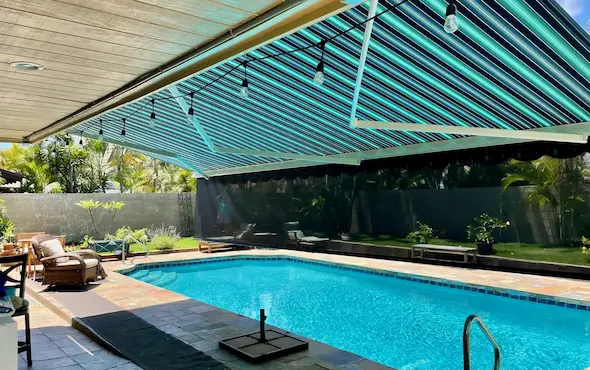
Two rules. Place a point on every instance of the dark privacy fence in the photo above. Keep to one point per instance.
(449, 211)
(263, 212)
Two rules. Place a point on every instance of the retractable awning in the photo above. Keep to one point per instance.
(514, 66)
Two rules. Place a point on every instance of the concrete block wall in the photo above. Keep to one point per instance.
(59, 214)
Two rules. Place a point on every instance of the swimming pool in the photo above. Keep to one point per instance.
(400, 323)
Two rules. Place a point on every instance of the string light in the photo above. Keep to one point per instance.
(451, 25)
(81, 142)
(123, 138)
(244, 89)
(191, 111)
(451, 22)
(153, 115)
(318, 79)
(100, 132)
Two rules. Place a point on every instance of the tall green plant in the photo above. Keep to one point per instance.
(112, 208)
(91, 206)
(557, 185)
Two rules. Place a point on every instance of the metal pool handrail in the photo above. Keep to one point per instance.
(126, 239)
(466, 342)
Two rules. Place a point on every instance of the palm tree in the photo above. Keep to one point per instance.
(557, 184)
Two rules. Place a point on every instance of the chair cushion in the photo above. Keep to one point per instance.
(53, 247)
(296, 234)
(75, 264)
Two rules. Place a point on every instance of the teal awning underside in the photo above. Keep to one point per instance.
(513, 64)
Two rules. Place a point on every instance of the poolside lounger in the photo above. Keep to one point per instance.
(298, 239)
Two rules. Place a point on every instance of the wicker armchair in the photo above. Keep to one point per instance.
(81, 267)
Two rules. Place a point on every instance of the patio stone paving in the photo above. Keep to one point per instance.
(56, 345)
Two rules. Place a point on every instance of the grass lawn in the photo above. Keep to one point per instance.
(183, 243)
(525, 251)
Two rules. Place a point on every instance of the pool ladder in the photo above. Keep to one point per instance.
(467, 346)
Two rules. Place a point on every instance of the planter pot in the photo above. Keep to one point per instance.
(485, 248)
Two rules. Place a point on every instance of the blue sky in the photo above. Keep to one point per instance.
(578, 9)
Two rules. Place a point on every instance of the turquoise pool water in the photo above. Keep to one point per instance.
(402, 324)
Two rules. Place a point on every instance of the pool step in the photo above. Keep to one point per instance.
(152, 276)
(166, 279)
(140, 274)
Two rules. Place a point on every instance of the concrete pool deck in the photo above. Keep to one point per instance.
(201, 326)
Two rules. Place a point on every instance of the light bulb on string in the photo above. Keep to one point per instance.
(244, 88)
(451, 22)
(319, 77)
(153, 115)
(191, 110)
(81, 142)
(123, 133)
(100, 132)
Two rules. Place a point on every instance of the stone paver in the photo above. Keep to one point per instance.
(56, 345)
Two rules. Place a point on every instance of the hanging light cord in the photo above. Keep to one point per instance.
(321, 44)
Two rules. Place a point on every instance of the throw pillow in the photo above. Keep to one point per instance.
(53, 247)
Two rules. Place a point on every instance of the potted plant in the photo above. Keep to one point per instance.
(482, 232)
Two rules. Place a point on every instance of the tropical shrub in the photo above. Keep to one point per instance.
(87, 241)
(482, 231)
(163, 242)
(422, 235)
(125, 231)
(585, 245)
(6, 225)
(163, 237)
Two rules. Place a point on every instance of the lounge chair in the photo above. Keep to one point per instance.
(298, 239)
(60, 268)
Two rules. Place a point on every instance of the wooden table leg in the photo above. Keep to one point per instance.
(29, 261)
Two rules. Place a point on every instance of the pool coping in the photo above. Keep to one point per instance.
(520, 295)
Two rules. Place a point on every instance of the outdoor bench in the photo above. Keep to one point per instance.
(419, 249)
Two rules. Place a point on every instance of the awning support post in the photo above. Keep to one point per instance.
(191, 167)
(362, 60)
(193, 120)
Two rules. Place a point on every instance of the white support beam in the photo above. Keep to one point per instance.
(362, 60)
(191, 167)
(532, 135)
(135, 146)
(193, 120)
(349, 159)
